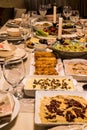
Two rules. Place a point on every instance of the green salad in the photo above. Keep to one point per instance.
(70, 46)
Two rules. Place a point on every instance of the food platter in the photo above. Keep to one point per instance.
(40, 95)
(30, 87)
(77, 68)
(41, 25)
(58, 68)
(70, 49)
(73, 35)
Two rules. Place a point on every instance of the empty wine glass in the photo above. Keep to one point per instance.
(74, 16)
(67, 11)
(25, 31)
(42, 10)
(85, 29)
(14, 73)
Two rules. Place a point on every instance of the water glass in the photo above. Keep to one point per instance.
(74, 16)
(85, 29)
(34, 14)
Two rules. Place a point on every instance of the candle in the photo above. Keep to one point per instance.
(54, 14)
(60, 28)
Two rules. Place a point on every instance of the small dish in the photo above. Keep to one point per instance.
(40, 47)
(41, 25)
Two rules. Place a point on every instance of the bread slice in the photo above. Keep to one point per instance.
(6, 106)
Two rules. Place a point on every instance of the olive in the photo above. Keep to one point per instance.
(43, 41)
(85, 86)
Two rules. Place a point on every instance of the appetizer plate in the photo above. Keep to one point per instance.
(41, 25)
(30, 87)
(76, 68)
(14, 114)
(40, 95)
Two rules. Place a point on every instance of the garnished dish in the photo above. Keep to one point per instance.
(60, 107)
(77, 68)
(69, 45)
(68, 30)
(34, 83)
(70, 48)
(41, 25)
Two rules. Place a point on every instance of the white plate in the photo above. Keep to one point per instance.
(54, 37)
(40, 25)
(69, 72)
(19, 53)
(41, 94)
(15, 112)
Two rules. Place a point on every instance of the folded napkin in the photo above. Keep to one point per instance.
(6, 106)
(4, 46)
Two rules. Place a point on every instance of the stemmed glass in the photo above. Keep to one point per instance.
(25, 31)
(67, 11)
(42, 10)
(74, 16)
(14, 73)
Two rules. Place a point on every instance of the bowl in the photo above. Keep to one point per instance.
(70, 49)
(40, 47)
(69, 55)
(41, 25)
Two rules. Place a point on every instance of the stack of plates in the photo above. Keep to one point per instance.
(14, 54)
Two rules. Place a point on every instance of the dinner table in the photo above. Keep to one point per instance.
(25, 119)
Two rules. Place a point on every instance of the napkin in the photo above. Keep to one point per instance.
(4, 46)
(6, 106)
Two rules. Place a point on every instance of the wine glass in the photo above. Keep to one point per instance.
(85, 29)
(67, 11)
(25, 31)
(42, 10)
(14, 73)
(74, 16)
